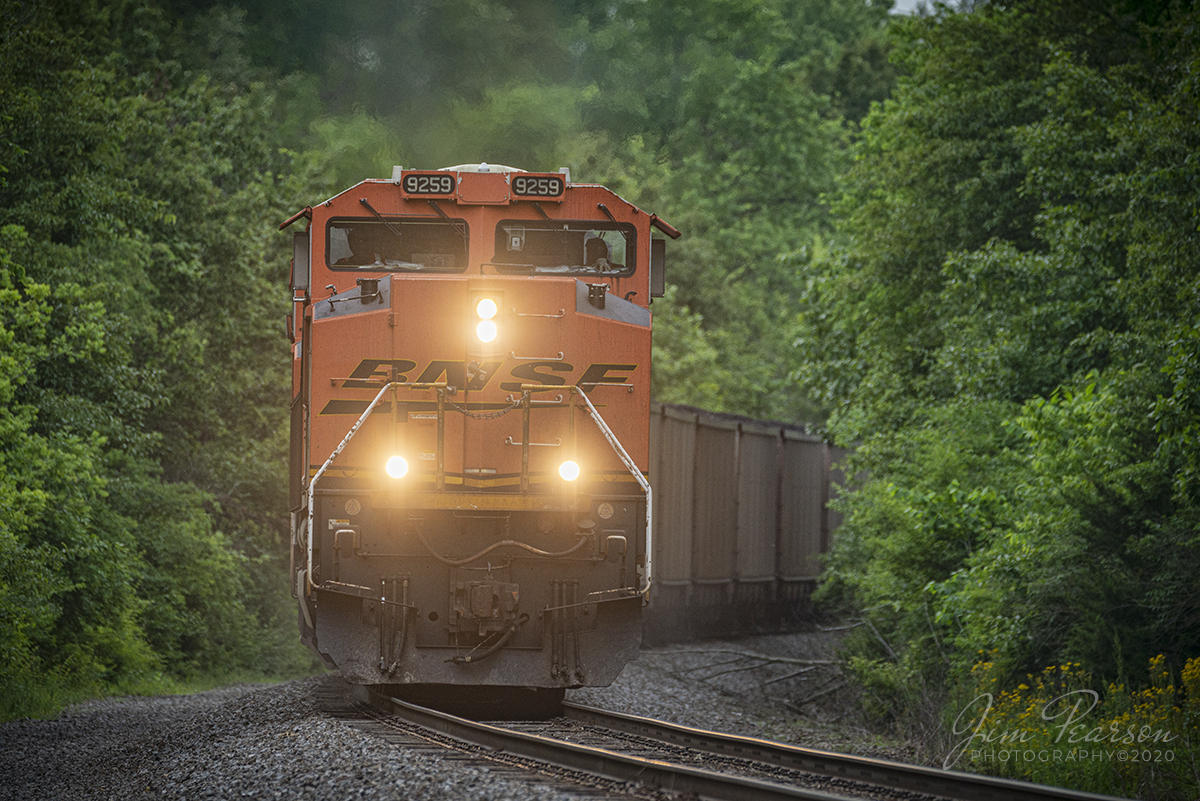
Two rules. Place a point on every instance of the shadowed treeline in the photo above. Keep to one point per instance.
(147, 151)
(961, 242)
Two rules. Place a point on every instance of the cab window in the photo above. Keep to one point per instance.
(565, 247)
(401, 245)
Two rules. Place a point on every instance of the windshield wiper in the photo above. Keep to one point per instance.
(461, 231)
(378, 216)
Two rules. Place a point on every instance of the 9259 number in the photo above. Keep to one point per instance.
(540, 186)
(429, 184)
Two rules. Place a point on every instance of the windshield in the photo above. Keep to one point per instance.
(422, 245)
(565, 247)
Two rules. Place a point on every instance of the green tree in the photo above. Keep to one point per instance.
(728, 118)
(145, 407)
(733, 101)
(67, 563)
(1007, 330)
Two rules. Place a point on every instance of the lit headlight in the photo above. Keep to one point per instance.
(397, 467)
(569, 470)
(486, 330)
(486, 308)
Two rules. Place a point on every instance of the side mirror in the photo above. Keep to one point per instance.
(658, 267)
(301, 266)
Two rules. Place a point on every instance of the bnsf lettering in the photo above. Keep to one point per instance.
(474, 377)
(456, 374)
(599, 374)
(529, 373)
(371, 371)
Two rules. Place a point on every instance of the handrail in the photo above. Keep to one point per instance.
(615, 443)
(312, 483)
(631, 466)
(557, 442)
(376, 382)
(512, 354)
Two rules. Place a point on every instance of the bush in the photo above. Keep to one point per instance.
(1054, 729)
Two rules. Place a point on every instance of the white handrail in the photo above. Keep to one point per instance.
(312, 484)
(604, 429)
(637, 474)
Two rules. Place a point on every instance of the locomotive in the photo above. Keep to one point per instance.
(469, 429)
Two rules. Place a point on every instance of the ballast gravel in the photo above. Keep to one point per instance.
(268, 742)
(277, 742)
(783, 687)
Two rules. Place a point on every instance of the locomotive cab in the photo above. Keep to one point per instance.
(470, 416)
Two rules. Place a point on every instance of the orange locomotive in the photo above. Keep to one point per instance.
(470, 414)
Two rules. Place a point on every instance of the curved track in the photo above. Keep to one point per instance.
(640, 751)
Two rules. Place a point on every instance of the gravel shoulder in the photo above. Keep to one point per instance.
(262, 742)
(782, 687)
(274, 741)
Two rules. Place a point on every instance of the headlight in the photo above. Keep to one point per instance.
(397, 467)
(486, 330)
(487, 308)
(569, 470)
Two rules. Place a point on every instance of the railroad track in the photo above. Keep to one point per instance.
(623, 752)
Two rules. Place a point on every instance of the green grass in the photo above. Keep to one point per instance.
(45, 696)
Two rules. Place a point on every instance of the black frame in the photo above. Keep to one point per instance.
(456, 230)
(505, 262)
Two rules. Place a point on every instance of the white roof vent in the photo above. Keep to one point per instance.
(482, 166)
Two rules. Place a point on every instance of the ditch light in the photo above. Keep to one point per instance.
(397, 467)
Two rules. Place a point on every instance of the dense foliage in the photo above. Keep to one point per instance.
(1008, 329)
(729, 118)
(965, 240)
(149, 147)
(142, 376)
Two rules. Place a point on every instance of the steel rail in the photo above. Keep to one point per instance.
(597, 761)
(915, 778)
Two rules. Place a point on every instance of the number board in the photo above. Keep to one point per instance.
(538, 186)
(438, 184)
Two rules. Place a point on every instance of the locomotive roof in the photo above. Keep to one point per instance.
(479, 168)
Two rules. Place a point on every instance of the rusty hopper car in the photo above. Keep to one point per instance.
(469, 447)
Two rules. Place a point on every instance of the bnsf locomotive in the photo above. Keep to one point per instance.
(469, 435)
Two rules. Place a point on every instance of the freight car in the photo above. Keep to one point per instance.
(469, 432)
